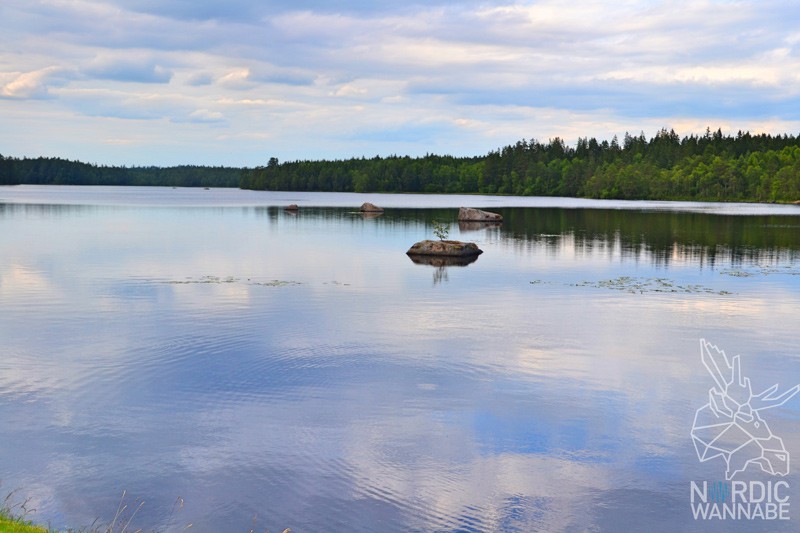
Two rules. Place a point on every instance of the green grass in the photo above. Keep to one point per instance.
(12, 524)
(13, 519)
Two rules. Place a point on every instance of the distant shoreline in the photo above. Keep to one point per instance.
(712, 168)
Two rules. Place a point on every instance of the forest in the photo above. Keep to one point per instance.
(713, 167)
(56, 171)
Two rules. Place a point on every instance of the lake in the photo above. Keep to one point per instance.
(273, 370)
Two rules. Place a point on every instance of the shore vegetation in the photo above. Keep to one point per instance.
(712, 167)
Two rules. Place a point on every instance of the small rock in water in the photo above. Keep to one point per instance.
(476, 215)
(367, 207)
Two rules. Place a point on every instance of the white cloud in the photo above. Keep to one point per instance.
(205, 115)
(237, 79)
(32, 84)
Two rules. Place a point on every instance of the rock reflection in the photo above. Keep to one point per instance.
(442, 263)
(467, 226)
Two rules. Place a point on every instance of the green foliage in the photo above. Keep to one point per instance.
(55, 171)
(7, 171)
(440, 230)
(744, 167)
(709, 167)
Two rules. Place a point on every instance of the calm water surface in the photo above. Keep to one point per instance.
(278, 370)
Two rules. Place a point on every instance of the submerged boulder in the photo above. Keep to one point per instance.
(469, 214)
(367, 207)
(445, 248)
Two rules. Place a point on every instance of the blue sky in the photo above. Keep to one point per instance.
(235, 82)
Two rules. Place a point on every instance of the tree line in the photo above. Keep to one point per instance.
(56, 171)
(713, 166)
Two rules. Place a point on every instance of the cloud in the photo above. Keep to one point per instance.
(283, 76)
(205, 116)
(137, 70)
(194, 10)
(237, 79)
(248, 10)
(339, 73)
(127, 104)
(349, 89)
(200, 79)
(33, 84)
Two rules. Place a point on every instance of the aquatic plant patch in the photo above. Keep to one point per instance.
(638, 285)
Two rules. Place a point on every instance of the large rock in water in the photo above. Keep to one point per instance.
(469, 214)
(367, 207)
(445, 248)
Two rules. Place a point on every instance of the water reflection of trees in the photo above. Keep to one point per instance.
(48, 210)
(657, 236)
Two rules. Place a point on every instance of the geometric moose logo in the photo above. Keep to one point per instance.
(730, 425)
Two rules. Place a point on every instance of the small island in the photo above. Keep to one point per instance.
(444, 248)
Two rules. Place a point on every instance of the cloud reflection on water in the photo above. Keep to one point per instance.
(360, 394)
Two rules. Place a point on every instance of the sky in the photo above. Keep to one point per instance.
(235, 82)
